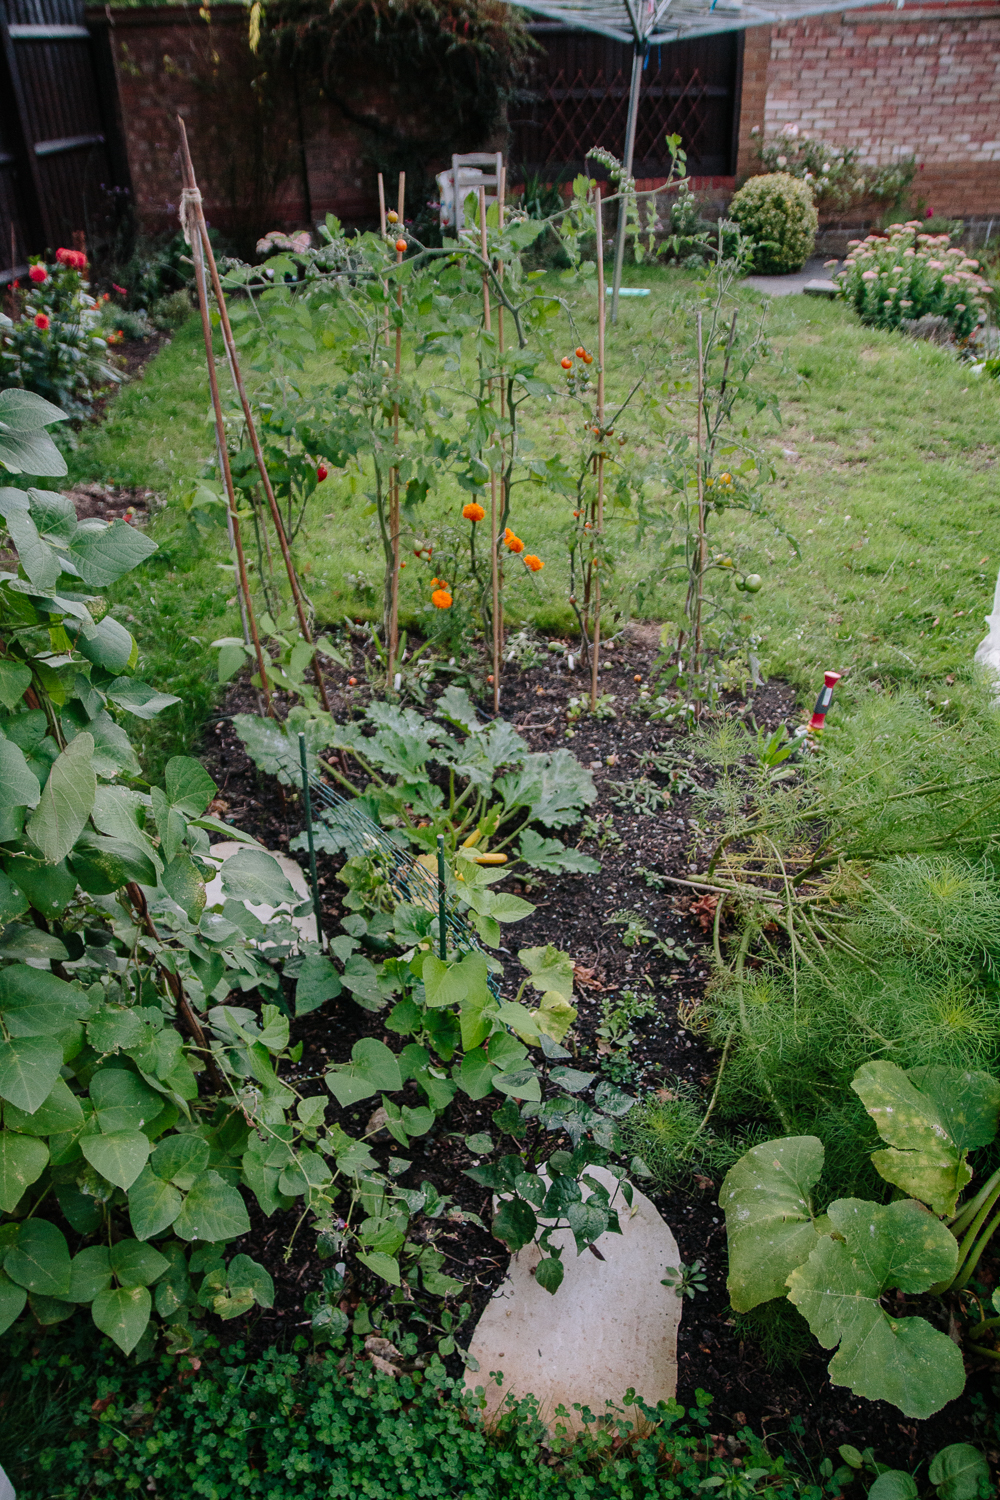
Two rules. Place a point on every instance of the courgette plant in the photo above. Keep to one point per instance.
(838, 1267)
(447, 773)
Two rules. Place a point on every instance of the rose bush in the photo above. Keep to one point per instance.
(55, 346)
(777, 212)
(909, 275)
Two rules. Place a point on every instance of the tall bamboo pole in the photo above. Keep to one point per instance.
(234, 367)
(702, 542)
(191, 205)
(595, 652)
(384, 226)
(494, 538)
(393, 644)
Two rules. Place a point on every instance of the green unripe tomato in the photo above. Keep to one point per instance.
(752, 583)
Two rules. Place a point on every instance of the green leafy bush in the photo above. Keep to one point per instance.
(892, 282)
(839, 1265)
(777, 212)
(55, 347)
(142, 1029)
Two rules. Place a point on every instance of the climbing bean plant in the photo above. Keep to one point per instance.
(148, 1087)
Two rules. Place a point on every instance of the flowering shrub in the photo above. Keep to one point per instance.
(911, 275)
(55, 347)
(835, 174)
(777, 212)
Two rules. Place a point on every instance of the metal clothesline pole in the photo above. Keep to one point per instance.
(639, 53)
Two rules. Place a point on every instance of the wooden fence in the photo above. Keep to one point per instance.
(62, 167)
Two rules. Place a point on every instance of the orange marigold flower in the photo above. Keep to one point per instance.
(533, 562)
(441, 599)
(473, 511)
(513, 542)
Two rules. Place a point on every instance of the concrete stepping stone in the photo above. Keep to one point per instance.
(611, 1325)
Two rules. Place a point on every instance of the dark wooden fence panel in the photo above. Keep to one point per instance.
(60, 161)
(578, 98)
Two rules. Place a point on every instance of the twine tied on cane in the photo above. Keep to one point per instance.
(190, 203)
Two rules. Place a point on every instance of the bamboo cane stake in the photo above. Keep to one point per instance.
(700, 589)
(595, 652)
(234, 369)
(191, 202)
(494, 558)
(384, 226)
(394, 482)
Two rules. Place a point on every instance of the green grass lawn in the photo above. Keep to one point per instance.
(886, 458)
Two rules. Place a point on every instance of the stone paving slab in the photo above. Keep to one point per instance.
(610, 1326)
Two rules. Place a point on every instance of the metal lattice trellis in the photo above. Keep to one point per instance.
(408, 879)
(571, 115)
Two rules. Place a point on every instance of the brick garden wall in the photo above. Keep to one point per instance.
(276, 166)
(923, 81)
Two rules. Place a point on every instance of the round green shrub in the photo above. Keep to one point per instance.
(778, 213)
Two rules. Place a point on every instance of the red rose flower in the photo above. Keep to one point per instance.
(41, 321)
(38, 274)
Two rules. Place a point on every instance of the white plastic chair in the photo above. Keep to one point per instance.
(468, 173)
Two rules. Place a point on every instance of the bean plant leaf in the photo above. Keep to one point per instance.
(18, 782)
(549, 1274)
(153, 1205)
(256, 876)
(15, 680)
(930, 1122)
(139, 698)
(119, 1156)
(12, 1296)
(23, 1159)
(107, 644)
(959, 1471)
(40, 1259)
(383, 1265)
(881, 1247)
(135, 1264)
(373, 1069)
(184, 884)
(29, 1067)
(102, 557)
(316, 982)
(66, 801)
(123, 1314)
(515, 1223)
(59, 1111)
(23, 411)
(29, 452)
(769, 1219)
(90, 1273)
(188, 785)
(212, 1211)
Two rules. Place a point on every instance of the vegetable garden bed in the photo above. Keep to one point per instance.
(643, 832)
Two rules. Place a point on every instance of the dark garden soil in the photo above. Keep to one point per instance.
(645, 793)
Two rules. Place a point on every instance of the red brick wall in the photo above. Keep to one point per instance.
(923, 80)
(170, 61)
